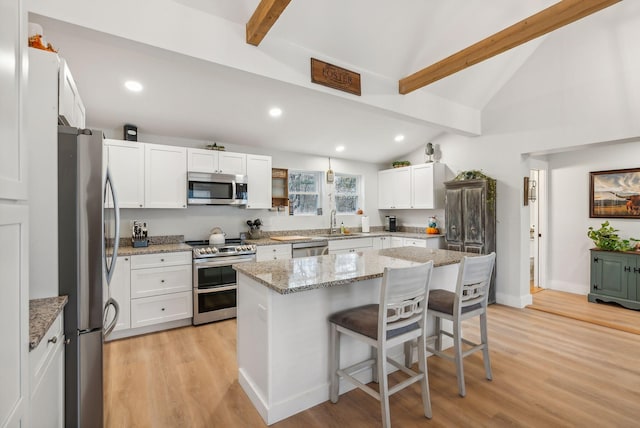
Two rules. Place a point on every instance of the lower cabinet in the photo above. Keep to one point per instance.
(615, 277)
(151, 289)
(160, 309)
(435, 242)
(273, 252)
(46, 364)
(381, 242)
(350, 245)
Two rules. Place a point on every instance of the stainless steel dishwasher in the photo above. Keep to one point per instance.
(311, 248)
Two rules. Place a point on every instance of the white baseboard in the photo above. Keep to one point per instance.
(130, 332)
(514, 301)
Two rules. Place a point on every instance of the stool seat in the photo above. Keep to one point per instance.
(364, 320)
(443, 301)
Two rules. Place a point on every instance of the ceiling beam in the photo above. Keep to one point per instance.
(263, 18)
(543, 22)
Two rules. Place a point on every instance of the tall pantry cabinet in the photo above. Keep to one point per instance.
(470, 215)
(14, 219)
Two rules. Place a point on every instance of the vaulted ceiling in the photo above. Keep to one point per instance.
(203, 81)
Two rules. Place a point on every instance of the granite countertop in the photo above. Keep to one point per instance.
(42, 313)
(157, 244)
(308, 237)
(308, 273)
(153, 248)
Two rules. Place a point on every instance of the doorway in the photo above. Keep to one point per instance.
(537, 193)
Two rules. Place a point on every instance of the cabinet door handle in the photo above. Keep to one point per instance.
(635, 270)
(628, 269)
(162, 281)
(54, 339)
(595, 286)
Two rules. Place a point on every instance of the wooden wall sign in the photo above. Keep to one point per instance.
(335, 77)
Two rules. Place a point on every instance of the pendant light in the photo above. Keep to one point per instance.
(330, 174)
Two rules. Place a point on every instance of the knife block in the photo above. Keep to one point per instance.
(139, 243)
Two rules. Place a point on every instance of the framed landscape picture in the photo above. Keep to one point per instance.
(615, 194)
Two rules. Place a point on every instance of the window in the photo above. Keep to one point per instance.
(305, 191)
(347, 190)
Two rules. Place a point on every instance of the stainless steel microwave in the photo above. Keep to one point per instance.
(216, 189)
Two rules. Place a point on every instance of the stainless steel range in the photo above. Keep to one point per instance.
(214, 280)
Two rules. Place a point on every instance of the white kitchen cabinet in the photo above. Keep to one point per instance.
(213, 161)
(397, 241)
(160, 309)
(412, 187)
(14, 313)
(258, 182)
(165, 176)
(161, 280)
(427, 186)
(120, 289)
(413, 242)
(46, 366)
(273, 252)
(161, 288)
(14, 217)
(381, 242)
(126, 165)
(394, 188)
(350, 245)
(70, 106)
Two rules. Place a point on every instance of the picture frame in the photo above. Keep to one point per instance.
(615, 193)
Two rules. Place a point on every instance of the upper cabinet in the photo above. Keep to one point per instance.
(165, 176)
(148, 175)
(394, 186)
(213, 161)
(126, 165)
(258, 182)
(70, 107)
(427, 188)
(411, 187)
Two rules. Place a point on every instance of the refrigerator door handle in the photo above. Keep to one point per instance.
(109, 328)
(116, 239)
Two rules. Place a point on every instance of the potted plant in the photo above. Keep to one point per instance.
(606, 238)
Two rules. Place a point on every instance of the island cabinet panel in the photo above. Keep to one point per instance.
(615, 277)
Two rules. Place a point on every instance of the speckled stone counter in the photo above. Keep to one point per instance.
(308, 273)
(42, 313)
(153, 248)
(308, 237)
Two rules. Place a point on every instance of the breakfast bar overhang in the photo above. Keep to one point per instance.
(283, 333)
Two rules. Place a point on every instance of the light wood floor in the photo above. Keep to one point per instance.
(577, 306)
(548, 371)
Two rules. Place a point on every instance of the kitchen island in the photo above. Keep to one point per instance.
(283, 333)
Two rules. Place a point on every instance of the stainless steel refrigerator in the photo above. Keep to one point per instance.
(86, 224)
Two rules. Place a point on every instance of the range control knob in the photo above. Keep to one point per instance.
(214, 250)
(208, 250)
(196, 251)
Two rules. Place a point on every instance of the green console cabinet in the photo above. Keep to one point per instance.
(615, 277)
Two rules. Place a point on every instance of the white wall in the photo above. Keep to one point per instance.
(195, 222)
(579, 88)
(569, 245)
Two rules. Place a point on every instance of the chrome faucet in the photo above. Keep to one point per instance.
(333, 222)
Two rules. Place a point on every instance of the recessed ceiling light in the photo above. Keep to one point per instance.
(275, 112)
(340, 149)
(399, 138)
(133, 86)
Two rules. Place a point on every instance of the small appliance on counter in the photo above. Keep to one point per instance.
(139, 234)
(390, 223)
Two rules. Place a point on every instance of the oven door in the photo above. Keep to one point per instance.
(214, 292)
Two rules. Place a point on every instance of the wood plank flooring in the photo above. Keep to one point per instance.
(577, 306)
(548, 371)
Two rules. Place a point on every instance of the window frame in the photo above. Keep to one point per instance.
(319, 190)
(358, 193)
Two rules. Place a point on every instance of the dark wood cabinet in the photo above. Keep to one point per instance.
(615, 277)
(470, 217)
